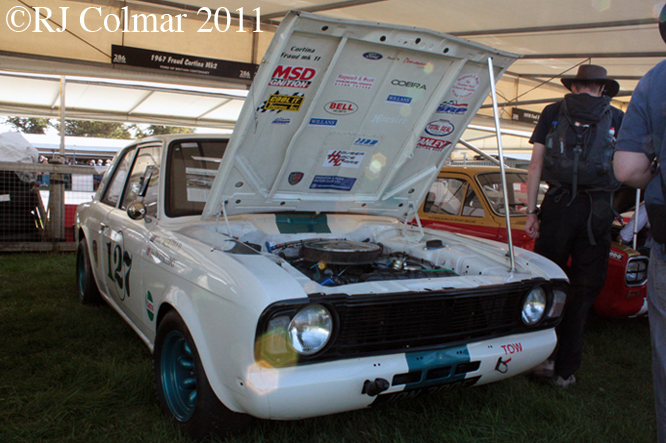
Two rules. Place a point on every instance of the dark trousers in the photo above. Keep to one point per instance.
(565, 230)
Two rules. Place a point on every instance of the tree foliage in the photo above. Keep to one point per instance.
(162, 130)
(85, 128)
(29, 125)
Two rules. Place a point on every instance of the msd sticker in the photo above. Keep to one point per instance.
(332, 182)
(440, 128)
(452, 107)
(292, 77)
(432, 144)
(345, 159)
(465, 86)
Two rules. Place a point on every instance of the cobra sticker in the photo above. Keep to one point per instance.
(341, 107)
(345, 159)
(407, 84)
(281, 102)
(354, 81)
(440, 128)
(292, 77)
(465, 86)
(432, 144)
(332, 182)
(452, 107)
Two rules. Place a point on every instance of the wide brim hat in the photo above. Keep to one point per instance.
(593, 73)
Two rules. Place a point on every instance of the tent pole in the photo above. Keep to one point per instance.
(512, 257)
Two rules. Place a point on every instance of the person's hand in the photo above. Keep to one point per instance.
(532, 226)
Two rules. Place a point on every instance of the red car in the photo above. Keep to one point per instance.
(468, 200)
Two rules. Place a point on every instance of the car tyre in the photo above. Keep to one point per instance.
(182, 387)
(86, 287)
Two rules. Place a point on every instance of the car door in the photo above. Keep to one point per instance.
(125, 239)
(453, 204)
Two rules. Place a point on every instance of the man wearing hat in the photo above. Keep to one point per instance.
(573, 225)
(640, 161)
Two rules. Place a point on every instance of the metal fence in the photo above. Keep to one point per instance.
(38, 204)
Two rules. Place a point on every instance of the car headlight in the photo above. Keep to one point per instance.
(310, 329)
(636, 274)
(534, 306)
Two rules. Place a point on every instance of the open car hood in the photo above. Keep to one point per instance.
(350, 116)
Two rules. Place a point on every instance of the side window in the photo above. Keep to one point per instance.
(472, 207)
(191, 169)
(445, 196)
(144, 179)
(115, 187)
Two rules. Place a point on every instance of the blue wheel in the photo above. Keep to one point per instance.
(85, 280)
(182, 386)
(179, 378)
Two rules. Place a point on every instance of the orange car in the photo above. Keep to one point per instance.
(469, 200)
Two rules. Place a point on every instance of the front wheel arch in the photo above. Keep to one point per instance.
(183, 390)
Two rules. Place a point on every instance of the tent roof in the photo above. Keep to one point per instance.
(552, 37)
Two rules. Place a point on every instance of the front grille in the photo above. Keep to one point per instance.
(370, 323)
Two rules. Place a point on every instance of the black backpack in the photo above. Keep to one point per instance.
(579, 147)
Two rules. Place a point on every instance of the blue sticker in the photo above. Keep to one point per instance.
(281, 121)
(323, 122)
(373, 56)
(452, 107)
(332, 182)
(399, 99)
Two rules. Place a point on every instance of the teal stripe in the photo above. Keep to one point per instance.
(299, 223)
(436, 363)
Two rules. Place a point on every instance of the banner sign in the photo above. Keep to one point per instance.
(525, 116)
(187, 64)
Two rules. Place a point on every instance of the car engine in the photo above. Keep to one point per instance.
(335, 262)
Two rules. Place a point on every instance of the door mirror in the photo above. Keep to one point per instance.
(136, 210)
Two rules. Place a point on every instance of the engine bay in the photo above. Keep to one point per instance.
(336, 262)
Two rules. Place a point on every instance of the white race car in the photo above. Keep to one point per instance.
(272, 273)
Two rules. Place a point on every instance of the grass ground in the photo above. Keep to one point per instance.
(70, 373)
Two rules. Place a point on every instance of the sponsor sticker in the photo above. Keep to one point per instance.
(292, 76)
(465, 86)
(281, 121)
(332, 182)
(615, 255)
(385, 119)
(398, 99)
(354, 81)
(280, 102)
(341, 107)
(373, 56)
(150, 306)
(408, 61)
(301, 53)
(330, 122)
(345, 159)
(440, 128)
(407, 84)
(361, 141)
(295, 178)
(432, 144)
(452, 107)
